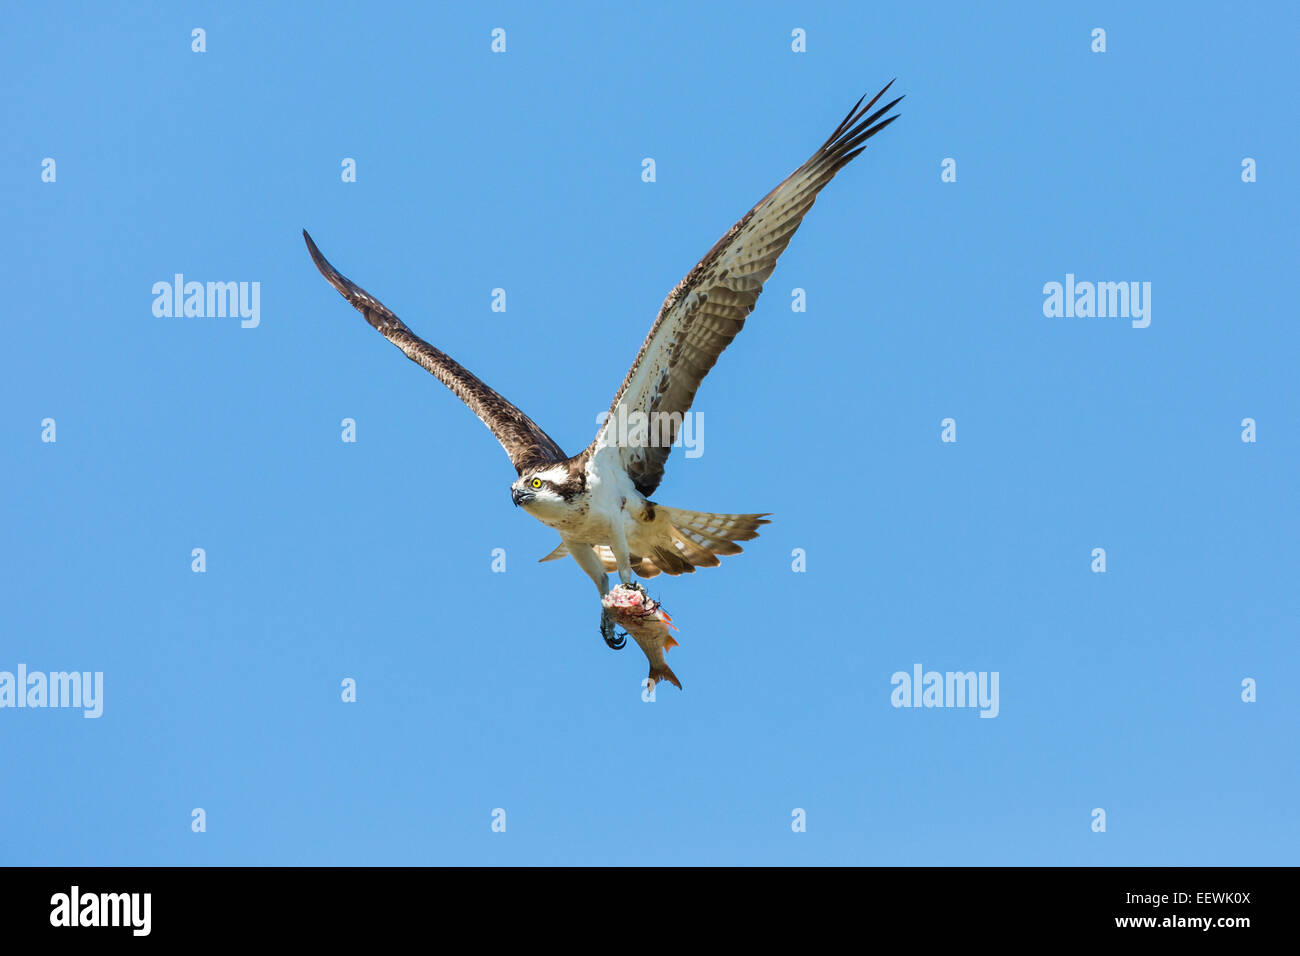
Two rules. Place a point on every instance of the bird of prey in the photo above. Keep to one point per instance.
(599, 499)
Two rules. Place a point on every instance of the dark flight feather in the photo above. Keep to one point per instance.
(527, 445)
(708, 308)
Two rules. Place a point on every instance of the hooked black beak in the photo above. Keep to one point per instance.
(519, 496)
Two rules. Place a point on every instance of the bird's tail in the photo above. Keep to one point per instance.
(688, 540)
(699, 537)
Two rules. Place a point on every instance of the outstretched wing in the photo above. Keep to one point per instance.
(703, 314)
(527, 445)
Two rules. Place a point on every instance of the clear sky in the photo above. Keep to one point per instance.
(373, 560)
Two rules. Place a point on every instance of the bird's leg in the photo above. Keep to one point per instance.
(590, 562)
(614, 640)
(621, 554)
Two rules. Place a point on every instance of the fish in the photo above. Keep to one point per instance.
(648, 624)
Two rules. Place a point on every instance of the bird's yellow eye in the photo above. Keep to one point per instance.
(536, 482)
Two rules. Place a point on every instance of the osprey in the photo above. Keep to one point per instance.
(599, 500)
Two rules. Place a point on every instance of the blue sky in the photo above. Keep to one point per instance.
(372, 560)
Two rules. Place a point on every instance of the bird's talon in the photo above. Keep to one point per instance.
(613, 640)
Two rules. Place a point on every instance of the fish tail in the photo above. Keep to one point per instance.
(664, 673)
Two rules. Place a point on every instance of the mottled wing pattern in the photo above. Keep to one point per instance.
(708, 308)
(695, 540)
(527, 445)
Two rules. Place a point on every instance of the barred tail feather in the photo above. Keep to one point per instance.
(717, 533)
(686, 540)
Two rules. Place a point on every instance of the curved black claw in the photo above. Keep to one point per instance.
(613, 639)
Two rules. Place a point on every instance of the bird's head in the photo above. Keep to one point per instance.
(546, 490)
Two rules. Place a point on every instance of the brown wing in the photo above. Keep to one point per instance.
(527, 445)
(708, 308)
